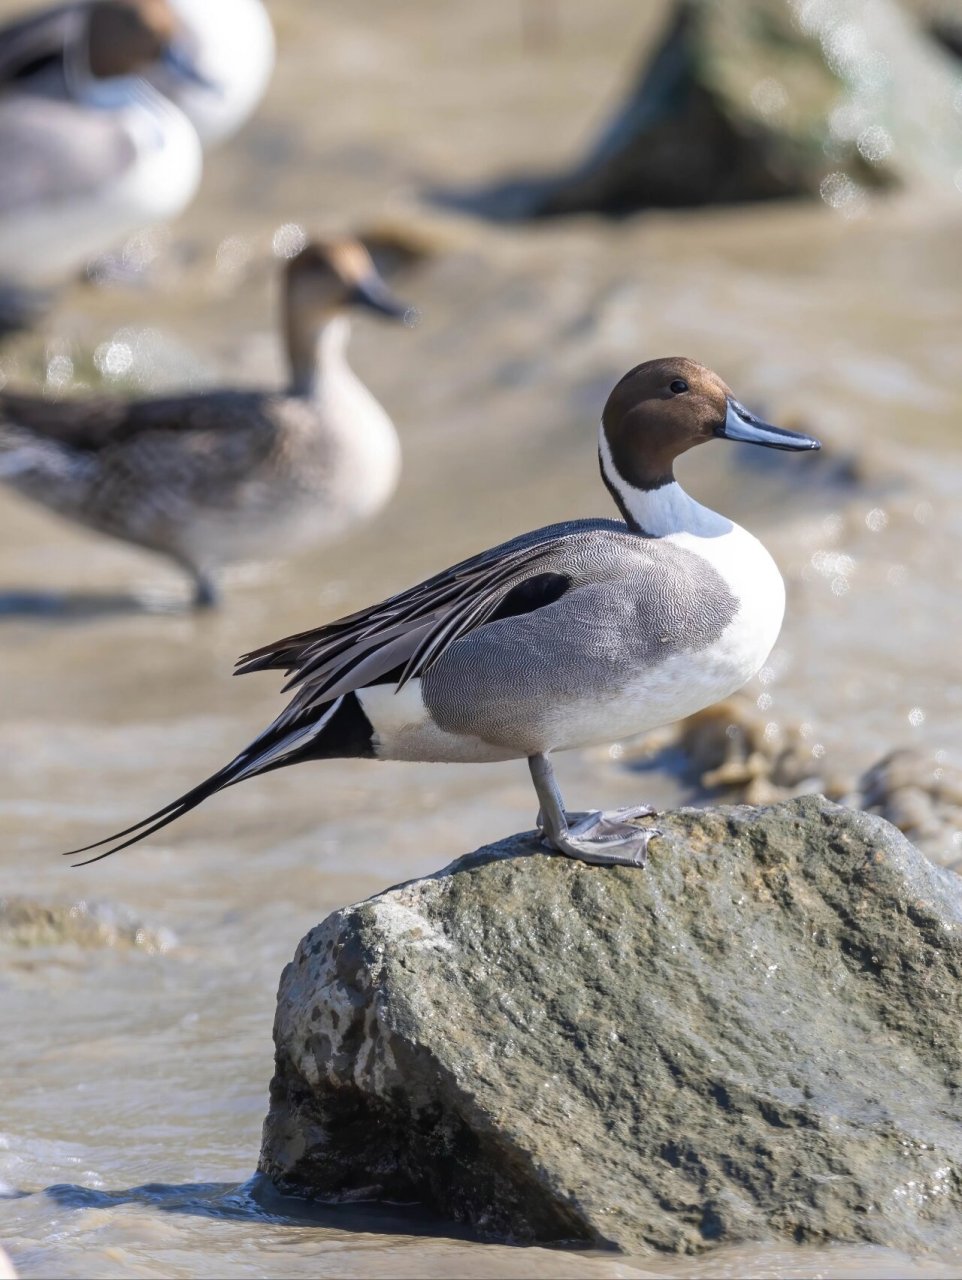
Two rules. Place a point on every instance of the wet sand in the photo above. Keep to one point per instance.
(136, 1079)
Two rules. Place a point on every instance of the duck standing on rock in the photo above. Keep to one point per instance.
(89, 150)
(228, 475)
(569, 636)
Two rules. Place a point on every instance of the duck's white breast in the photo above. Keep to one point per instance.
(231, 42)
(685, 680)
(753, 578)
(167, 170)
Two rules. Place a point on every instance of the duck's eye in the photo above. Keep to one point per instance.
(678, 386)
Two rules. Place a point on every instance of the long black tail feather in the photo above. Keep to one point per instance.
(162, 817)
(339, 729)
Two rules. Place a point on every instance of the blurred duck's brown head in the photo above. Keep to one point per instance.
(332, 275)
(661, 409)
(125, 36)
(325, 278)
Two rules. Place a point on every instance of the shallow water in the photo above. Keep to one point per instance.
(136, 1079)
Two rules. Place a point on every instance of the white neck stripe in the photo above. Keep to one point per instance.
(662, 511)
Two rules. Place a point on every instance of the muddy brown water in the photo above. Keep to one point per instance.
(135, 1080)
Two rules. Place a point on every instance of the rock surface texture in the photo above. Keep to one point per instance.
(758, 1035)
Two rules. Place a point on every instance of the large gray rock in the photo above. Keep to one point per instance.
(758, 1034)
(760, 99)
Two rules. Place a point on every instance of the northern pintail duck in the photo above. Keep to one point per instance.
(229, 43)
(228, 475)
(573, 635)
(89, 150)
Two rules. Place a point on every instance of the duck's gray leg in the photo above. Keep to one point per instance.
(607, 839)
(206, 591)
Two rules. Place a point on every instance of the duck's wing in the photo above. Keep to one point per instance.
(30, 44)
(81, 424)
(400, 638)
(95, 423)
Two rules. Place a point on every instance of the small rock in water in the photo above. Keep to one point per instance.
(758, 1035)
(921, 794)
(733, 754)
(732, 750)
(24, 922)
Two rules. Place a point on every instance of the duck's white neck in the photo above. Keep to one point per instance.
(317, 353)
(659, 512)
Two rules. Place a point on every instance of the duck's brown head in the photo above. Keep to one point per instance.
(330, 275)
(661, 409)
(324, 278)
(125, 37)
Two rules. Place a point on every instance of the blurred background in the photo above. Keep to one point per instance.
(772, 187)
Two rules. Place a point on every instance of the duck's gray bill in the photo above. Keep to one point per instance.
(373, 292)
(180, 64)
(741, 425)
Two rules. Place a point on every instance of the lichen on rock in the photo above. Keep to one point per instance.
(756, 1036)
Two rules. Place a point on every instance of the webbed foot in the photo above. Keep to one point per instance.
(605, 838)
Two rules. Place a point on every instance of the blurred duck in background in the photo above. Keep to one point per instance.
(228, 43)
(226, 475)
(90, 151)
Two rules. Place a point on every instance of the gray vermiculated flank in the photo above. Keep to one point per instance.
(633, 601)
(319, 655)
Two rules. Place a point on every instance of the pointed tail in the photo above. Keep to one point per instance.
(284, 742)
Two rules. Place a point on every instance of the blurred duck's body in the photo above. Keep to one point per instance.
(89, 150)
(227, 475)
(230, 43)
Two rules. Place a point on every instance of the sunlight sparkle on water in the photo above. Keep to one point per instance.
(288, 239)
(874, 143)
(113, 359)
(769, 97)
(59, 372)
